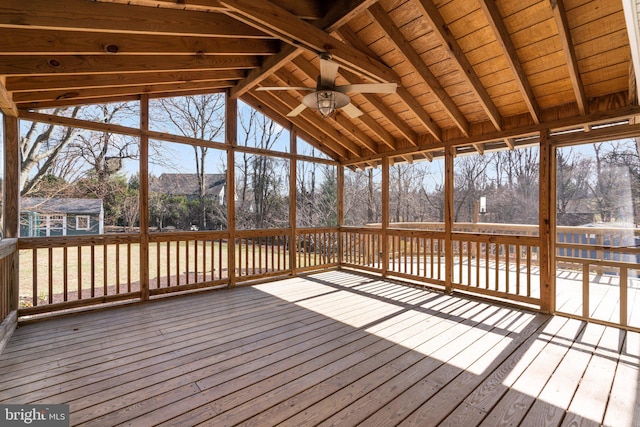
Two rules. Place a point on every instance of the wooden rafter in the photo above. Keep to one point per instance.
(379, 105)
(315, 120)
(323, 140)
(432, 15)
(29, 65)
(85, 81)
(367, 143)
(403, 93)
(302, 9)
(276, 21)
(65, 42)
(310, 71)
(380, 16)
(267, 67)
(80, 94)
(270, 108)
(492, 14)
(337, 17)
(569, 52)
(7, 106)
(106, 17)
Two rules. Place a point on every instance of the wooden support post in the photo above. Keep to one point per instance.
(547, 224)
(293, 167)
(11, 177)
(231, 135)
(448, 216)
(385, 217)
(340, 214)
(144, 199)
(11, 192)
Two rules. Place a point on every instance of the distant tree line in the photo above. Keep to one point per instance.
(599, 182)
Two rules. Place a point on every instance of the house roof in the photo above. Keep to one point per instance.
(61, 205)
(477, 74)
(186, 184)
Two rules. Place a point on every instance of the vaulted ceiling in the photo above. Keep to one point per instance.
(481, 74)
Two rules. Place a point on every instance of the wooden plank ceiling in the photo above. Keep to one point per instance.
(479, 73)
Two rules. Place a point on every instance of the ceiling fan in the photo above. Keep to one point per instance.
(327, 97)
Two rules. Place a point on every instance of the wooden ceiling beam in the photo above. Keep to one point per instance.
(40, 96)
(282, 108)
(75, 102)
(381, 17)
(86, 81)
(29, 65)
(278, 22)
(432, 15)
(25, 40)
(108, 17)
(7, 106)
(340, 119)
(340, 13)
(302, 9)
(557, 6)
(268, 66)
(496, 23)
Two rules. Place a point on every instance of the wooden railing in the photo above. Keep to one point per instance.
(362, 248)
(600, 281)
(417, 255)
(316, 248)
(65, 272)
(8, 290)
(497, 265)
(262, 253)
(8, 295)
(187, 260)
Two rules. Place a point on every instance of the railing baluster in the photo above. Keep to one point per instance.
(80, 272)
(105, 270)
(50, 259)
(65, 273)
(129, 267)
(585, 290)
(624, 284)
(93, 271)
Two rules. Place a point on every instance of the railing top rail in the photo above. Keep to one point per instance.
(7, 247)
(263, 232)
(187, 235)
(68, 241)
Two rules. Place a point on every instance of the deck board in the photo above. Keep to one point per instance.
(334, 348)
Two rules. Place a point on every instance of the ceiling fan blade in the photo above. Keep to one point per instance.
(263, 88)
(328, 73)
(299, 109)
(352, 111)
(369, 88)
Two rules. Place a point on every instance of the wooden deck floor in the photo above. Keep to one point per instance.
(334, 348)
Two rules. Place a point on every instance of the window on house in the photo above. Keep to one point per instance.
(83, 222)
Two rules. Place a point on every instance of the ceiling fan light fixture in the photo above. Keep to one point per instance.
(326, 101)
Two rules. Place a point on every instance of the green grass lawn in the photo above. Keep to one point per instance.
(122, 263)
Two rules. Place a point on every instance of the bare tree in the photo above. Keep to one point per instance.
(262, 182)
(201, 117)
